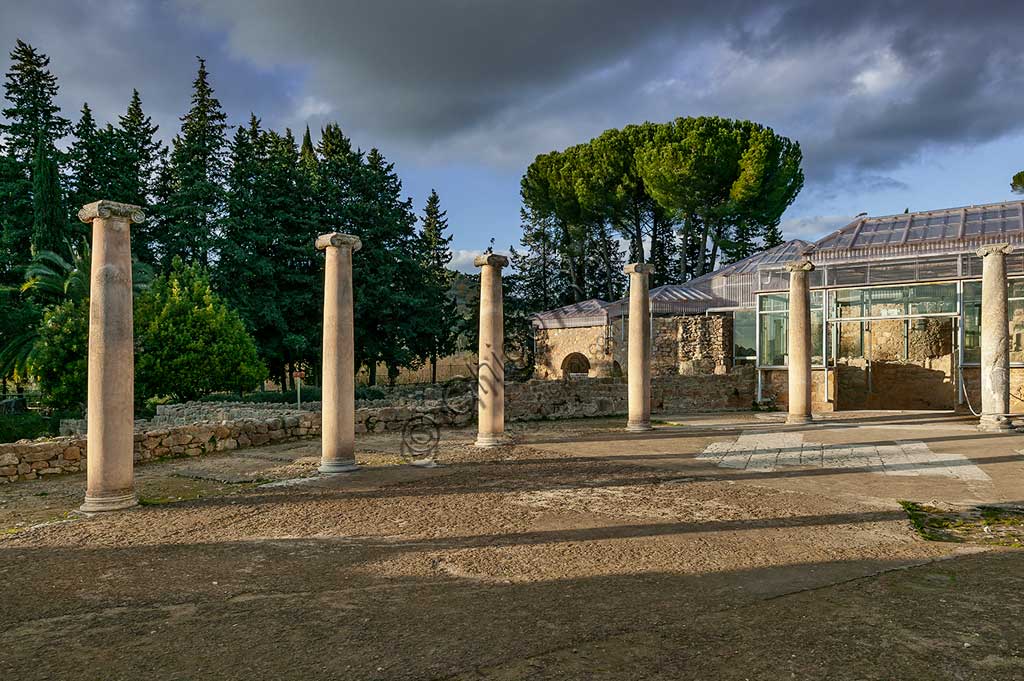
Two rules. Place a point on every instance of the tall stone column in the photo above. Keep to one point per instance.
(338, 398)
(491, 373)
(799, 368)
(638, 372)
(995, 339)
(110, 482)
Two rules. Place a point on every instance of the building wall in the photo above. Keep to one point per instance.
(684, 345)
(972, 381)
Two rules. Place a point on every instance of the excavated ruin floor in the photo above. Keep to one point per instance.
(724, 546)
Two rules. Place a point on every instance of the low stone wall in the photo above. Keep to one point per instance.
(31, 459)
(219, 426)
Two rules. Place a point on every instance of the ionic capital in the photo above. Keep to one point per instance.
(800, 266)
(111, 209)
(639, 268)
(336, 240)
(994, 249)
(490, 259)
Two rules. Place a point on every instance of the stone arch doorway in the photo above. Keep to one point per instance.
(575, 365)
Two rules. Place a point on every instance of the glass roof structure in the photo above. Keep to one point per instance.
(935, 245)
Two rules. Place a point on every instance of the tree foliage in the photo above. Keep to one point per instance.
(684, 195)
(1017, 183)
(189, 342)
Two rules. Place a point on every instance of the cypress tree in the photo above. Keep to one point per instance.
(49, 219)
(192, 212)
(439, 320)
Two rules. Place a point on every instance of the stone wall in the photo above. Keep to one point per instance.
(220, 427)
(696, 344)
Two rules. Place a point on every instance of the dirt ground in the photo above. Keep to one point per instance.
(581, 552)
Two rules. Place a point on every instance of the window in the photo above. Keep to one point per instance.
(744, 337)
(774, 326)
(972, 321)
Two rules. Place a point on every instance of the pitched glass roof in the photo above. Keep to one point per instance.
(951, 230)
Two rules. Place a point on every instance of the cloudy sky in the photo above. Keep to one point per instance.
(896, 104)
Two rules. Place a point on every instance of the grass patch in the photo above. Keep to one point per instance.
(992, 525)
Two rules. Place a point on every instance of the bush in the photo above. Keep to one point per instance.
(309, 394)
(189, 343)
(60, 358)
(15, 427)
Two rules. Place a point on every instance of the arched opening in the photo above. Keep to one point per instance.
(575, 365)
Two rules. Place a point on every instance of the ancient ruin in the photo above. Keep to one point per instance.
(110, 479)
(491, 355)
(338, 435)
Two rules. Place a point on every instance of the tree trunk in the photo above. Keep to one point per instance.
(702, 249)
(372, 373)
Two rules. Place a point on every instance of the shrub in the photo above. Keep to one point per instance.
(60, 357)
(189, 342)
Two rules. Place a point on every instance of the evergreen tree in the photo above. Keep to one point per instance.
(31, 116)
(192, 213)
(91, 165)
(361, 194)
(15, 220)
(139, 158)
(49, 219)
(30, 89)
(138, 153)
(266, 267)
(439, 320)
(536, 266)
(605, 264)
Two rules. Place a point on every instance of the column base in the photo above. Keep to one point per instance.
(798, 419)
(109, 503)
(638, 426)
(491, 440)
(332, 467)
(994, 423)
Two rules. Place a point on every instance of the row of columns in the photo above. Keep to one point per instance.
(110, 469)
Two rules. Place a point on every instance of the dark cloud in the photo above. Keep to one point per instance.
(866, 87)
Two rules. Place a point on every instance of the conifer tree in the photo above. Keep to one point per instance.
(536, 266)
(266, 266)
(30, 116)
(191, 214)
(49, 219)
(440, 319)
(87, 158)
(30, 89)
(138, 153)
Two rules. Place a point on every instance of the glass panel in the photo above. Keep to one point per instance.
(744, 334)
(817, 340)
(972, 322)
(848, 303)
(932, 299)
(773, 339)
(851, 340)
(938, 268)
(1016, 310)
(774, 302)
(845, 275)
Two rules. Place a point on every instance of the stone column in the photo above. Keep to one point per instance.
(338, 427)
(491, 373)
(110, 481)
(638, 371)
(799, 368)
(995, 339)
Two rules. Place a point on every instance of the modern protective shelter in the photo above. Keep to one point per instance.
(896, 307)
